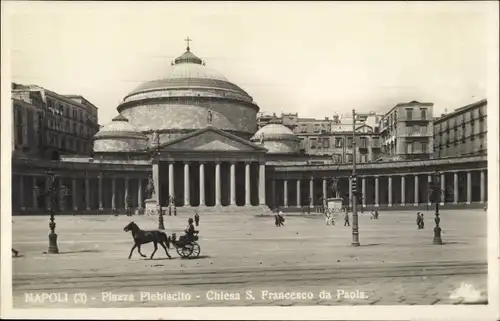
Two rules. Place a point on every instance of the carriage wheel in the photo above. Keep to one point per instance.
(185, 250)
(196, 249)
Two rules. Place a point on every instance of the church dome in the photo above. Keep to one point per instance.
(119, 136)
(278, 139)
(189, 71)
(180, 101)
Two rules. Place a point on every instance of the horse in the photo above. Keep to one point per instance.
(144, 237)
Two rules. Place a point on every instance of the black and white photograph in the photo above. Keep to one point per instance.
(284, 155)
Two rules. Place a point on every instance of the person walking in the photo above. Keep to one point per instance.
(346, 219)
(196, 218)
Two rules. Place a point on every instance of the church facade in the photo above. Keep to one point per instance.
(191, 140)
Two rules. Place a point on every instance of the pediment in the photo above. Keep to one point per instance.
(364, 129)
(211, 139)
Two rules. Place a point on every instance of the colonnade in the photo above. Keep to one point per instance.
(205, 183)
(384, 190)
(79, 193)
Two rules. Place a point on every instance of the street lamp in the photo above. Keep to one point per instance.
(161, 226)
(49, 195)
(436, 192)
(355, 227)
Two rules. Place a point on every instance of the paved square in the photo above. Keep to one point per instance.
(303, 263)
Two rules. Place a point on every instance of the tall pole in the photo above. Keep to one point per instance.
(50, 193)
(355, 227)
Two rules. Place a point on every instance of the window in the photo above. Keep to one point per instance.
(326, 142)
(409, 114)
(416, 129)
(362, 142)
(312, 142)
(425, 148)
(19, 126)
(349, 158)
(349, 142)
(338, 142)
(423, 113)
(409, 148)
(303, 128)
(316, 128)
(409, 129)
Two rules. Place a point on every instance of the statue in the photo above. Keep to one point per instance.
(262, 138)
(209, 117)
(156, 138)
(150, 188)
(334, 186)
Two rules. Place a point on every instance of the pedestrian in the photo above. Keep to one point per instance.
(419, 219)
(196, 218)
(281, 219)
(309, 207)
(346, 219)
(373, 215)
(376, 214)
(15, 252)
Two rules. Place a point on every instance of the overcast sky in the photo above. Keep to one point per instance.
(312, 58)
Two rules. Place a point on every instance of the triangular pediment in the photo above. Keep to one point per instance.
(211, 139)
(364, 129)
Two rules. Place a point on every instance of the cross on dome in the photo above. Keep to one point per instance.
(187, 40)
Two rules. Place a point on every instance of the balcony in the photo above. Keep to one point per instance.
(417, 118)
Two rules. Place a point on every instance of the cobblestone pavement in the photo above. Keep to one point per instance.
(395, 264)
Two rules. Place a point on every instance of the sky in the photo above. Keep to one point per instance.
(313, 58)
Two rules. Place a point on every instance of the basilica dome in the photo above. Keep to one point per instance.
(181, 100)
(119, 136)
(277, 139)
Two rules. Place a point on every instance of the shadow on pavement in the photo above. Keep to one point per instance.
(196, 258)
(80, 251)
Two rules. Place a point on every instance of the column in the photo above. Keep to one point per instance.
(156, 182)
(99, 193)
(47, 200)
(273, 191)
(262, 184)
(171, 188)
(74, 194)
(217, 184)
(113, 193)
(35, 194)
(62, 194)
(311, 192)
(416, 200)
(285, 193)
(389, 181)
(187, 194)
(247, 184)
(298, 193)
(21, 192)
(125, 198)
(469, 187)
(202, 184)
(376, 192)
(429, 184)
(403, 190)
(482, 186)
(455, 187)
(87, 193)
(443, 189)
(363, 191)
(232, 183)
(324, 194)
(139, 194)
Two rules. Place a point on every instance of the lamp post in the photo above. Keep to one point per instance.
(436, 192)
(161, 225)
(49, 195)
(355, 227)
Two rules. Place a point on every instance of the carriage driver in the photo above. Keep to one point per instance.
(190, 231)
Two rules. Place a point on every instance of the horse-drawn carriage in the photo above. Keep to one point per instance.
(186, 246)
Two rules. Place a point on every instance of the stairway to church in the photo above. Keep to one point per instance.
(219, 210)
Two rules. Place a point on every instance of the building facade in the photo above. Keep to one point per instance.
(462, 132)
(406, 131)
(48, 125)
(193, 140)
